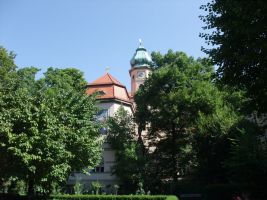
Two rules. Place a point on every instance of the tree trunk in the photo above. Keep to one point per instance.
(140, 141)
(31, 187)
(174, 157)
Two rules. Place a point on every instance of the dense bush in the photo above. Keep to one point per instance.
(172, 197)
(114, 197)
(21, 197)
(90, 197)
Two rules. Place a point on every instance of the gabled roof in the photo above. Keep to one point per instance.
(106, 79)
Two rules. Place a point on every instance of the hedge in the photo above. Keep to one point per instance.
(114, 197)
(91, 197)
(5, 196)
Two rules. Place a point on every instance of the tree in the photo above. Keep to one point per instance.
(49, 126)
(129, 164)
(170, 105)
(247, 160)
(212, 144)
(237, 34)
(8, 76)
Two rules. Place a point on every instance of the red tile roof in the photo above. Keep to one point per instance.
(106, 80)
(110, 88)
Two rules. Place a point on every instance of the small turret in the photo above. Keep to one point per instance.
(141, 67)
(141, 57)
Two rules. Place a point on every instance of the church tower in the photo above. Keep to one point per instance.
(141, 66)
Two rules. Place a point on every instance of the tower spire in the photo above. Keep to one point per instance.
(141, 66)
(140, 42)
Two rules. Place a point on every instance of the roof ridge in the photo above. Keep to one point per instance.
(113, 79)
(110, 77)
(107, 78)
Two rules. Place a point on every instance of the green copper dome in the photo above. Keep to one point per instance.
(141, 57)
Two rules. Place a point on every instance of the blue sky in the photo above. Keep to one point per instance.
(93, 34)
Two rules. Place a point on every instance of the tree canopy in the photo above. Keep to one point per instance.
(238, 35)
(178, 102)
(129, 165)
(48, 125)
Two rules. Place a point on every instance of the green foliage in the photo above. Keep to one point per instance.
(169, 104)
(90, 197)
(96, 187)
(140, 190)
(8, 76)
(56, 188)
(21, 187)
(247, 162)
(211, 143)
(237, 33)
(121, 136)
(188, 119)
(172, 197)
(114, 197)
(116, 188)
(47, 125)
(120, 128)
(78, 187)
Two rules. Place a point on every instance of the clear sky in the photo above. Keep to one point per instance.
(93, 34)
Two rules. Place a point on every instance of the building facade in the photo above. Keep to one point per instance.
(111, 96)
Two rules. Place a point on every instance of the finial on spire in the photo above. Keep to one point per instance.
(107, 69)
(140, 42)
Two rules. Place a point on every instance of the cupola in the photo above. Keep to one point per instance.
(141, 57)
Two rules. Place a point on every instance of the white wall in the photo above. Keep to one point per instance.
(113, 107)
(105, 178)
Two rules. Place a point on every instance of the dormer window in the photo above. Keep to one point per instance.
(101, 92)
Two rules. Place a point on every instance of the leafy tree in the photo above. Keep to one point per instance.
(47, 125)
(247, 161)
(173, 101)
(122, 138)
(8, 77)
(211, 143)
(237, 34)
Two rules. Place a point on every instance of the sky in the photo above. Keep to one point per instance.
(92, 35)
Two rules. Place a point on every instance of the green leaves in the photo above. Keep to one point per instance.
(176, 91)
(187, 117)
(168, 107)
(122, 138)
(48, 126)
(238, 40)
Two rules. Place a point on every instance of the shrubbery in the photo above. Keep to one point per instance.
(114, 197)
(90, 197)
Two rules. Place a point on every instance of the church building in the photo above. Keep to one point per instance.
(112, 95)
